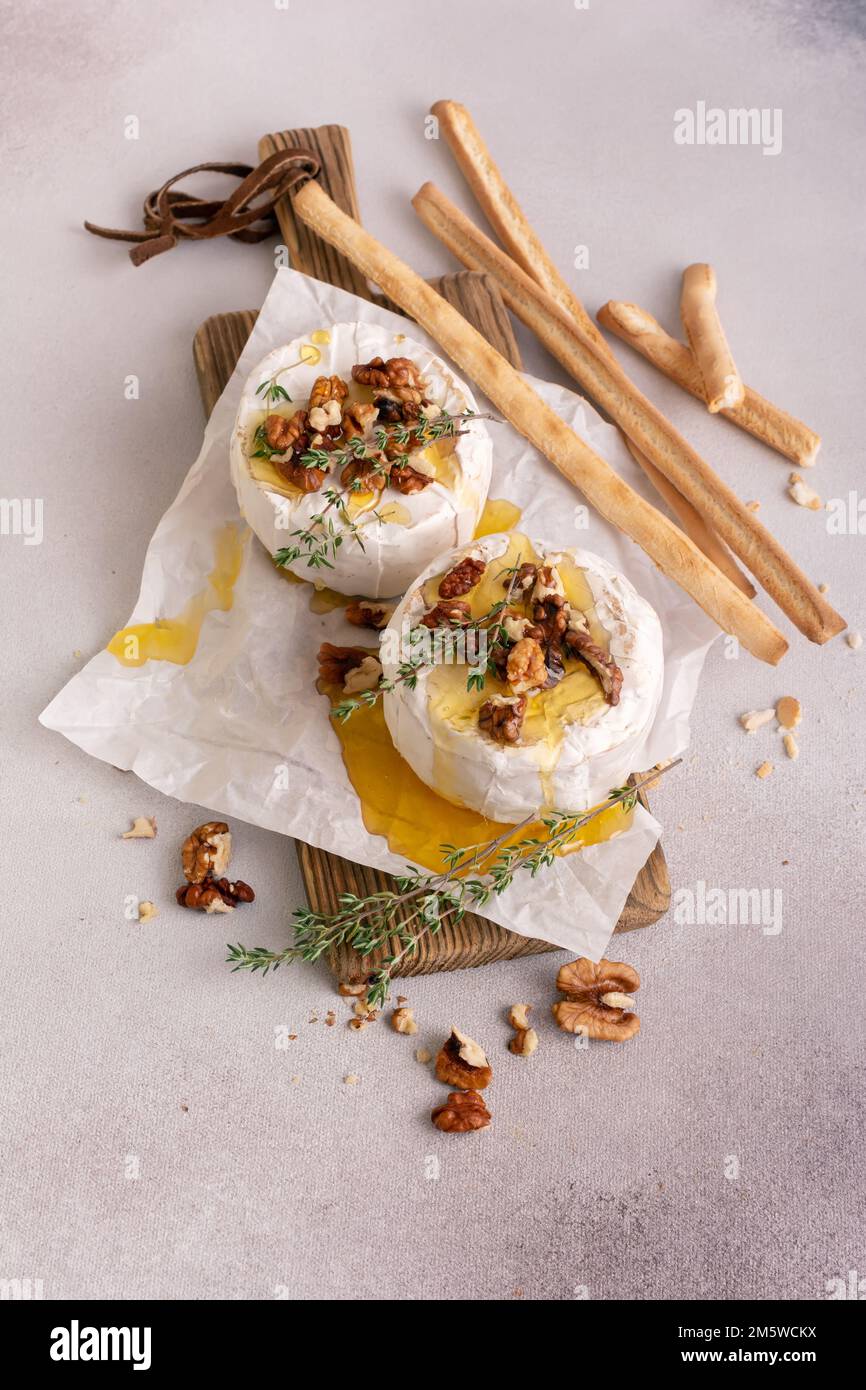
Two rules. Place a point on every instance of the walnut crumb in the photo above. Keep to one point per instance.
(147, 911)
(142, 828)
(423, 1055)
(802, 494)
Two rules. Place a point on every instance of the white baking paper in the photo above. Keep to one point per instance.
(241, 729)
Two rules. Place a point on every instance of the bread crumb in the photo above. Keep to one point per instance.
(791, 747)
(764, 770)
(756, 719)
(296, 1081)
(351, 1079)
(753, 506)
(854, 640)
(422, 1055)
(147, 911)
(823, 588)
(788, 712)
(330, 1018)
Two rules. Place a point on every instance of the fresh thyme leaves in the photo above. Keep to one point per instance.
(399, 920)
(271, 391)
(319, 541)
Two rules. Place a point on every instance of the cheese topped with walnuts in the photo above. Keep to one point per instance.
(551, 709)
(356, 460)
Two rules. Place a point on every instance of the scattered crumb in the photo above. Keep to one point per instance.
(755, 719)
(296, 1081)
(147, 911)
(314, 1018)
(78, 653)
(142, 828)
(681, 826)
(788, 712)
(399, 337)
(823, 588)
(351, 1079)
(518, 1293)
(802, 494)
(184, 1107)
(82, 800)
(422, 1055)
(402, 999)
(753, 506)
(357, 1024)
(330, 1018)
(786, 861)
(854, 640)
(764, 770)
(791, 746)
(350, 988)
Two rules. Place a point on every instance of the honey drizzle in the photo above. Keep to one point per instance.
(176, 639)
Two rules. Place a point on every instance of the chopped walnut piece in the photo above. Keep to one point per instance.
(205, 853)
(282, 432)
(216, 895)
(142, 828)
(364, 677)
(789, 712)
(454, 613)
(764, 771)
(357, 419)
(461, 1112)
(350, 989)
(802, 494)
(522, 582)
(365, 475)
(525, 667)
(581, 645)
(524, 1042)
(147, 911)
(463, 577)
(548, 584)
(363, 613)
(325, 417)
(327, 388)
(756, 719)
(408, 480)
(461, 1062)
(335, 663)
(501, 717)
(597, 999)
(301, 477)
(399, 375)
(518, 1015)
(403, 1021)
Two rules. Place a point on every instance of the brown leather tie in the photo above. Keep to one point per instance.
(170, 213)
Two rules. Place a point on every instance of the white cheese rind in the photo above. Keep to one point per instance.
(439, 517)
(509, 782)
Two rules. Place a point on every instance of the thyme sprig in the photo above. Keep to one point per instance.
(319, 541)
(472, 876)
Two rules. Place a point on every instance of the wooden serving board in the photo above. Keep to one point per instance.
(216, 348)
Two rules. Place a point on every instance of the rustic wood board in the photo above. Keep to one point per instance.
(216, 348)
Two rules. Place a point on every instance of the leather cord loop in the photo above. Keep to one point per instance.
(171, 213)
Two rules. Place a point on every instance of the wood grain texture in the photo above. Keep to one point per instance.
(217, 346)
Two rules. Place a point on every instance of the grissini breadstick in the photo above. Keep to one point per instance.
(603, 488)
(605, 381)
(511, 225)
(783, 432)
(692, 522)
(504, 213)
(723, 385)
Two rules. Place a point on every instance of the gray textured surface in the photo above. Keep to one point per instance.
(604, 1171)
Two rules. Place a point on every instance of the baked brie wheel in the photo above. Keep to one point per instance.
(534, 676)
(356, 460)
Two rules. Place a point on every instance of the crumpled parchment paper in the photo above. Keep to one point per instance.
(241, 728)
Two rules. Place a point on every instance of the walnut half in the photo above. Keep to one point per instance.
(597, 999)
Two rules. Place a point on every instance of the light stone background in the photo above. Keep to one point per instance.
(604, 1172)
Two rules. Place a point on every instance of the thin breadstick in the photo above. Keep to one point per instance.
(605, 381)
(503, 211)
(723, 385)
(783, 432)
(603, 488)
(511, 225)
(692, 522)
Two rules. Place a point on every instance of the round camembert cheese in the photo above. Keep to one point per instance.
(385, 533)
(572, 668)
